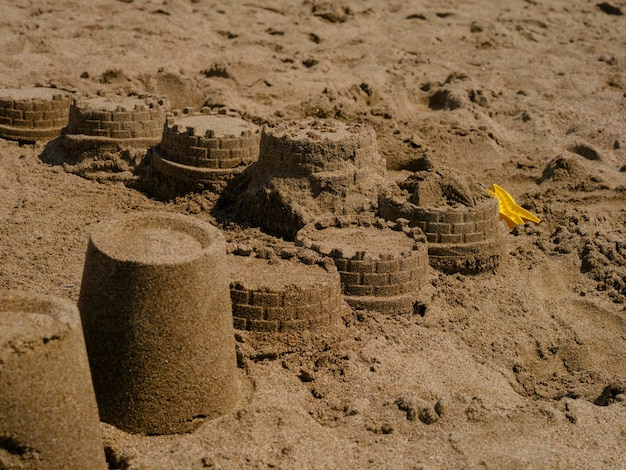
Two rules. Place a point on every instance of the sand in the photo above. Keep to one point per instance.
(518, 367)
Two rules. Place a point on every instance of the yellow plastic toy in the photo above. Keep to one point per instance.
(510, 212)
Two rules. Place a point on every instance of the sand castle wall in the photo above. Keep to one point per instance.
(181, 143)
(301, 149)
(379, 268)
(461, 224)
(447, 225)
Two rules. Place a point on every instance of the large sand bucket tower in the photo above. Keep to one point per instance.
(48, 413)
(156, 310)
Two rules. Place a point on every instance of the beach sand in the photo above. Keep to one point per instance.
(518, 367)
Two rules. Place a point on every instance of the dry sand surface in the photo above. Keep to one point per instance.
(521, 367)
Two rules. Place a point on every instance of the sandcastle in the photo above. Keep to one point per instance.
(380, 268)
(461, 223)
(160, 297)
(48, 412)
(156, 312)
(110, 122)
(33, 113)
(279, 295)
(307, 169)
(205, 147)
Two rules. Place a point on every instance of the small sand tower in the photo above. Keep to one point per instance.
(280, 295)
(48, 413)
(380, 268)
(157, 316)
(205, 147)
(33, 113)
(110, 122)
(306, 169)
(106, 137)
(460, 220)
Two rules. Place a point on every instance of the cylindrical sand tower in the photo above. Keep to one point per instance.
(380, 269)
(303, 148)
(206, 147)
(48, 413)
(284, 296)
(307, 169)
(460, 221)
(33, 113)
(156, 310)
(98, 123)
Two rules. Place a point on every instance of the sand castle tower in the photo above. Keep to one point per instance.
(48, 413)
(306, 169)
(157, 316)
(281, 295)
(460, 221)
(33, 113)
(380, 268)
(101, 123)
(205, 147)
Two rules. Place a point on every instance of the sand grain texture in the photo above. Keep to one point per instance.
(521, 367)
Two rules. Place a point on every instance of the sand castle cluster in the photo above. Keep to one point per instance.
(371, 305)
(160, 296)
